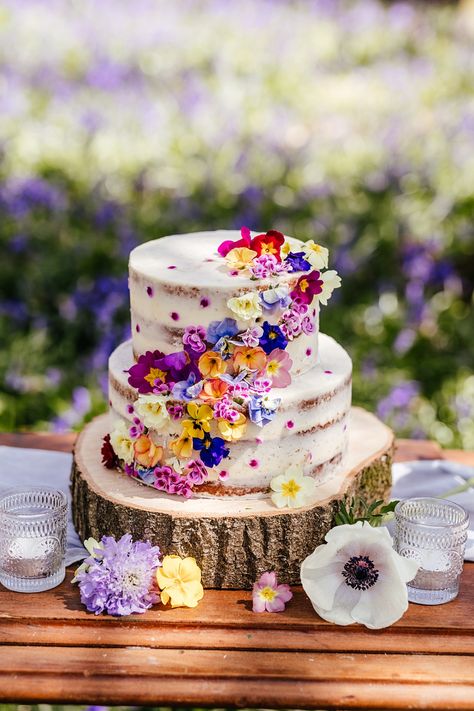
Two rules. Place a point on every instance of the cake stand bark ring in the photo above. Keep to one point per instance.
(233, 540)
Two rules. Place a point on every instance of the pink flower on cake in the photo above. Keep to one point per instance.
(307, 326)
(268, 595)
(308, 286)
(225, 247)
(193, 337)
(267, 265)
(278, 368)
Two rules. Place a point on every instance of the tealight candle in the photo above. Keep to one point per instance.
(32, 539)
(433, 532)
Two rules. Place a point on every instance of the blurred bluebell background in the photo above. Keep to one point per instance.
(351, 123)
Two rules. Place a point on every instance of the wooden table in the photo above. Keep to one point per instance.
(223, 654)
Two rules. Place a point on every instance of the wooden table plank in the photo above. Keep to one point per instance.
(222, 654)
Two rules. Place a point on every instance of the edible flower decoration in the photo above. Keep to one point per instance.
(118, 576)
(247, 306)
(357, 576)
(262, 409)
(240, 258)
(233, 430)
(268, 595)
(249, 358)
(273, 337)
(182, 447)
(199, 422)
(316, 255)
(212, 449)
(307, 286)
(268, 243)
(331, 280)
(179, 580)
(278, 368)
(229, 244)
(121, 442)
(211, 364)
(292, 489)
(146, 452)
(153, 411)
(109, 458)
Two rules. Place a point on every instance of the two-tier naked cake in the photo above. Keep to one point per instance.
(227, 394)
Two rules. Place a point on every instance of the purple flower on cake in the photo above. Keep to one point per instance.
(262, 409)
(308, 286)
(224, 408)
(175, 410)
(165, 476)
(262, 384)
(273, 337)
(119, 576)
(187, 389)
(252, 336)
(268, 595)
(197, 472)
(145, 371)
(267, 265)
(275, 298)
(227, 328)
(297, 262)
(212, 449)
(137, 429)
(307, 325)
(176, 365)
(193, 337)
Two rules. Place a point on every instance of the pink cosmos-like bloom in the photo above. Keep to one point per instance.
(224, 409)
(262, 384)
(268, 596)
(193, 337)
(308, 286)
(278, 368)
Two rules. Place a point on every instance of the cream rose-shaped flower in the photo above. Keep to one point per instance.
(121, 442)
(152, 411)
(357, 576)
(247, 306)
(292, 489)
(331, 280)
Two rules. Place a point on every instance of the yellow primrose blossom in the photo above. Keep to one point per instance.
(247, 306)
(199, 422)
(232, 431)
(211, 365)
(183, 446)
(316, 255)
(240, 257)
(179, 580)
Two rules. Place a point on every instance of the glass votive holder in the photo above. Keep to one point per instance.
(33, 525)
(433, 532)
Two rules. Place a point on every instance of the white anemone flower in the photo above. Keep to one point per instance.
(292, 489)
(121, 442)
(357, 576)
(316, 255)
(152, 410)
(331, 280)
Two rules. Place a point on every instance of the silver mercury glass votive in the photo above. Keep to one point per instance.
(433, 532)
(33, 525)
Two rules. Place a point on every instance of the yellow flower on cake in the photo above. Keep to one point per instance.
(182, 447)
(247, 306)
(179, 580)
(211, 365)
(147, 453)
(200, 420)
(240, 258)
(292, 489)
(331, 280)
(121, 442)
(316, 255)
(232, 431)
(152, 411)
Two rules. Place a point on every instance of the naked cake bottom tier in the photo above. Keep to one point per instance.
(233, 540)
(310, 428)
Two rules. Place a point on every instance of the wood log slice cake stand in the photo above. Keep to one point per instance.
(233, 541)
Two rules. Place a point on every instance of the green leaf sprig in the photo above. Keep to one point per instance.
(357, 509)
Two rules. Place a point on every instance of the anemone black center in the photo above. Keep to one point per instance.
(360, 572)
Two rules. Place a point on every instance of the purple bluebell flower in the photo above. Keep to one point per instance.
(297, 262)
(118, 578)
(212, 449)
(273, 337)
(227, 328)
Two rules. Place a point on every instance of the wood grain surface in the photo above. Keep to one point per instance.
(222, 654)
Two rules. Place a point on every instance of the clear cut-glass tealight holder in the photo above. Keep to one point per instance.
(433, 532)
(33, 525)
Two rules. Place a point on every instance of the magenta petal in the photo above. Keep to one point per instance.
(276, 605)
(245, 233)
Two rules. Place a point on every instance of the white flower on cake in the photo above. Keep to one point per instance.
(247, 306)
(121, 442)
(292, 489)
(331, 280)
(316, 255)
(152, 411)
(357, 576)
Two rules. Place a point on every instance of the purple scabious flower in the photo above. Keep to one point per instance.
(193, 337)
(119, 577)
(227, 328)
(297, 262)
(212, 450)
(273, 337)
